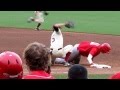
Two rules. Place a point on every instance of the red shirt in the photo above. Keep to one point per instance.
(115, 76)
(38, 75)
(85, 48)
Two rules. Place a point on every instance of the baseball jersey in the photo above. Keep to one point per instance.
(56, 39)
(38, 75)
(39, 17)
(85, 48)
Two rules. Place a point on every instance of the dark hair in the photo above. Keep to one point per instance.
(36, 56)
(77, 72)
(55, 28)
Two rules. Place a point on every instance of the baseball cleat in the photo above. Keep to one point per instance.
(67, 64)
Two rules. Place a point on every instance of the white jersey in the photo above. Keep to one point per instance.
(56, 44)
(39, 16)
(56, 40)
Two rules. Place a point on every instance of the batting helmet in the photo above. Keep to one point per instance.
(10, 65)
(105, 47)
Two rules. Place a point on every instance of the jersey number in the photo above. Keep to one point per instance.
(53, 39)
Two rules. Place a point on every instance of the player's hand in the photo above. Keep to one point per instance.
(93, 64)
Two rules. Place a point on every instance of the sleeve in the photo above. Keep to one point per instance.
(91, 55)
(89, 58)
(93, 51)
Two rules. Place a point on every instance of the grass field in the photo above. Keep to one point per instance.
(90, 76)
(100, 22)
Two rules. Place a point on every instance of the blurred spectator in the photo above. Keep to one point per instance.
(115, 76)
(77, 72)
(10, 66)
(37, 59)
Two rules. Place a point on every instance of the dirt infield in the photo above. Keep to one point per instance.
(17, 39)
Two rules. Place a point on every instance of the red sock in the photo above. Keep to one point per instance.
(67, 56)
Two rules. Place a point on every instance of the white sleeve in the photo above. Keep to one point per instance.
(89, 58)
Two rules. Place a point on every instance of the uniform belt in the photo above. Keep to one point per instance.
(58, 48)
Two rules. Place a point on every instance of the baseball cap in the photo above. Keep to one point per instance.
(77, 71)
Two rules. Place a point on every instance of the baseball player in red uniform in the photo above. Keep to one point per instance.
(89, 50)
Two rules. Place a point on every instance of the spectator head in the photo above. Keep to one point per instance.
(10, 66)
(36, 56)
(77, 72)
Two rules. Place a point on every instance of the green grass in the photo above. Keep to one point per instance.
(90, 76)
(101, 22)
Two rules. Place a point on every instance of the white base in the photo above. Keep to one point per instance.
(100, 66)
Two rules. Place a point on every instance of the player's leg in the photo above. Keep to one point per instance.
(60, 61)
(38, 25)
(66, 49)
(74, 56)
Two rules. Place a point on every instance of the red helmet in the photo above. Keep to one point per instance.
(105, 47)
(10, 65)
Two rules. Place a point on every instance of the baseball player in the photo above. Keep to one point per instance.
(39, 18)
(89, 50)
(56, 44)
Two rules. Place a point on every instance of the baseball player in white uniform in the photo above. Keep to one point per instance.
(39, 18)
(56, 45)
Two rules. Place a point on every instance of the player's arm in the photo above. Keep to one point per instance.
(90, 56)
(68, 24)
(59, 25)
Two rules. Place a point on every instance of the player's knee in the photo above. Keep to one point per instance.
(57, 52)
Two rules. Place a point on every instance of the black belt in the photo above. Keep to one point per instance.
(58, 48)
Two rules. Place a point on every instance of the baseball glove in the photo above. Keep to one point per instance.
(46, 13)
(69, 24)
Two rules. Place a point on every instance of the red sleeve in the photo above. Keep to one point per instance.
(93, 52)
